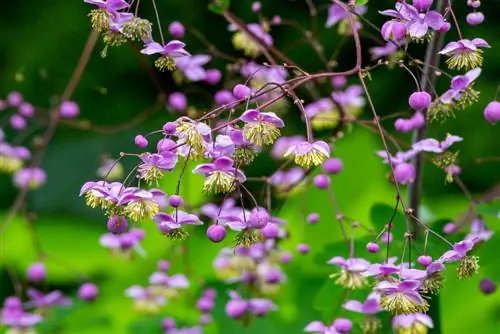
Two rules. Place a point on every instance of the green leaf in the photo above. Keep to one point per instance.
(218, 6)
(360, 2)
(489, 209)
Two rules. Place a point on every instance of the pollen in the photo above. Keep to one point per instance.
(165, 63)
(468, 266)
(10, 164)
(193, 138)
(137, 29)
(143, 209)
(310, 159)
(219, 182)
(241, 41)
(325, 120)
(243, 156)
(467, 60)
(415, 328)
(261, 133)
(100, 19)
(398, 303)
(247, 238)
(349, 280)
(433, 283)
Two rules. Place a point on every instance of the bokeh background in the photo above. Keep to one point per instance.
(41, 43)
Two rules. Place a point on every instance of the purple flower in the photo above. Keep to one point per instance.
(31, 177)
(192, 67)
(177, 281)
(173, 49)
(309, 154)
(282, 145)
(261, 128)
(351, 99)
(465, 53)
(13, 315)
(223, 146)
(434, 146)
(167, 223)
(153, 165)
(285, 180)
(40, 300)
(109, 5)
(371, 305)
(478, 231)
(213, 211)
(319, 327)
(337, 13)
(221, 175)
(261, 306)
(401, 297)
(408, 321)
(142, 204)
(145, 298)
(460, 84)
(123, 242)
(351, 274)
(389, 49)
(460, 250)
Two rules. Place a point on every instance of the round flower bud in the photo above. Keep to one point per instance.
(69, 109)
(474, 18)
(176, 29)
(445, 27)
(321, 181)
(256, 6)
(393, 31)
(474, 3)
(169, 128)
(285, 257)
(270, 231)
(175, 201)
(417, 120)
(342, 325)
(403, 125)
(177, 101)
(223, 97)
(88, 292)
(276, 20)
(26, 109)
(117, 224)
(168, 324)
(273, 277)
(17, 122)
(258, 219)
(205, 305)
(216, 233)
(424, 260)
(141, 141)
(332, 166)
(420, 100)
(487, 286)
(241, 91)
(303, 248)
(163, 265)
(372, 247)
(312, 218)
(36, 272)
(13, 304)
(404, 173)
(386, 237)
(339, 81)
(449, 228)
(236, 308)
(422, 5)
(213, 76)
(14, 99)
(492, 112)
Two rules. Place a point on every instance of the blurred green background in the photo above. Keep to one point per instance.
(41, 43)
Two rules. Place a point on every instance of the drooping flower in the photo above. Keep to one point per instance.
(191, 67)
(351, 100)
(153, 165)
(221, 175)
(110, 170)
(244, 150)
(168, 53)
(142, 204)
(13, 316)
(261, 128)
(412, 323)
(434, 146)
(320, 328)
(338, 15)
(351, 272)
(478, 231)
(195, 134)
(282, 145)
(107, 9)
(40, 300)
(145, 299)
(31, 178)
(171, 225)
(323, 114)
(309, 154)
(465, 53)
(401, 297)
(243, 41)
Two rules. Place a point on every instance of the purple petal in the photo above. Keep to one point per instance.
(460, 82)
(338, 261)
(315, 326)
(250, 115)
(409, 285)
(223, 163)
(428, 145)
(473, 74)
(479, 42)
(434, 20)
(178, 281)
(418, 29)
(271, 118)
(204, 169)
(152, 48)
(449, 48)
(450, 140)
(354, 306)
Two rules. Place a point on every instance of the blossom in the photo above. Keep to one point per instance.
(40, 300)
(282, 144)
(195, 134)
(478, 231)
(350, 275)
(434, 146)
(191, 66)
(459, 251)
(243, 41)
(171, 224)
(401, 297)
(145, 299)
(351, 99)
(107, 9)
(13, 315)
(338, 15)
(123, 242)
(142, 204)
(261, 128)
(412, 323)
(370, 306)
(153, 165)
(221, 175)
(168, 53)
(309, 154)
(319, 327)
(465, 53)
(388, 49)
(31, 177)
(323, 114)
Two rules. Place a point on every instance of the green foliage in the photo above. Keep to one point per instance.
(219, 6)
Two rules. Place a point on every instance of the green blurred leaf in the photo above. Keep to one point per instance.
(360, 2)
(489, 209)
(219, 6)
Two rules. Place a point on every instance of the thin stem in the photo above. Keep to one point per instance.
(455, 21)
(402, 65)
(158, 21)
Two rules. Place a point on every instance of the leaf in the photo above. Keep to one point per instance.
(219, 6)
(360, 2)
(489, 209)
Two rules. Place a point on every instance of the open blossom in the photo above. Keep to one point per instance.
(107, 10)
(258, 76)
(40, 300)
(401, 297)
(323, 114)
(13, 316)
(191, 66)
(153, 165)
(243, 41)
(171, 224)
(261, 128)
(221, 175)
(145, 299)
(370, 306)
(464, 53)
(478, 231)
(286, 180)
(350, 275)
(196, 134)
(412, 323)
(319, 327)
(32, 178)
(350, 99)
(309, 154)
(142, 204)
(282, 144)
(222, 146)
(124, 242)
(168, 53)
(434, 146)
(338, 15)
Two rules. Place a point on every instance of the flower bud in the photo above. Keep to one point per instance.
(422, 5)
(26, 110)
(339, 81)
(141, 141)
(175, 201)
(404, 173)
(474, 18)
(403, 125)
(256, 6)
(176, 29)
(285, 257)
(312, 218)
(321, 181)
(177, 101)
(487, 286)
(270, 231)
(69, 109)
(163, 265)
(492, 112)
(303, 248)
(216, 233)
(88, 292)
(445, 27)
(386, 237)
(117, 224)
(205, 305)
(17, 122)
(241, 91)
(342, 325)
(36, 272)
(393, 31)
(424, 260)
(332, 166)
(213, 76)
(168, 324)
(449, 228)
(420, 100)
(372, 247)
(236, 308)
(223, 97)
(14, 99)
(169, 128)
(259, 219)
